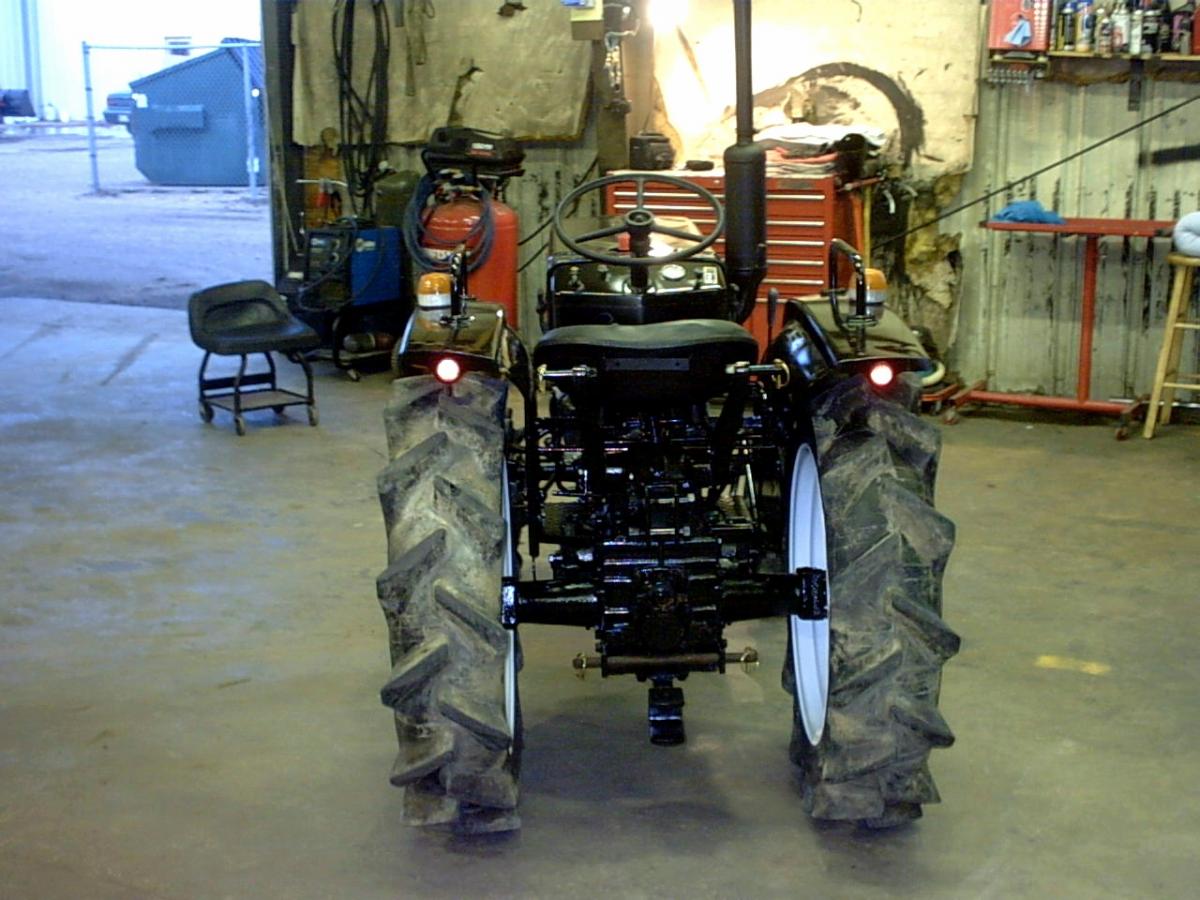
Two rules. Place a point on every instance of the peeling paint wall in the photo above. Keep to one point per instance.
(907, 70)
(1019, 322)
(925, 269)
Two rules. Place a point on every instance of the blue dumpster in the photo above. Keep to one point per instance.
(191, 129)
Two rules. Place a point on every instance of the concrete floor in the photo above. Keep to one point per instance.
(190, 654)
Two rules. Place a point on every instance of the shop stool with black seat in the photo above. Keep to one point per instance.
(240, 319)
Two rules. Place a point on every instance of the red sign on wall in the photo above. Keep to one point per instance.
(1020, 25)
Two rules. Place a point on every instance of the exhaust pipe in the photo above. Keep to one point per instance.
(745, 182)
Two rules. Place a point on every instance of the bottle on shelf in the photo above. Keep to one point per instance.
(1066, 26)
(1120, 27)
(1181, 28)
(1166, 33)
(1104, 32)
(1150, 23)
(1085, 24)
(1135, 32)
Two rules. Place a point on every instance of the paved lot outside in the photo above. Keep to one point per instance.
(133, 243)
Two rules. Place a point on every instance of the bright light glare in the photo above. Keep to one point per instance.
(447, 371)
(667, 15)
(881, 375)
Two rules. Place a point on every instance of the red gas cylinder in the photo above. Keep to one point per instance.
(449, 224)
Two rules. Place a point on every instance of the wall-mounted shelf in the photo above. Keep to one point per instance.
(1163, 57)
(1083, 69)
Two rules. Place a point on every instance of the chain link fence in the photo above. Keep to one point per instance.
(176, 115)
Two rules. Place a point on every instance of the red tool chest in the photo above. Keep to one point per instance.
(803, 214)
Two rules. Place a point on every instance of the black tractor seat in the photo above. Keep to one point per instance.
(282, 335)
(240, 319)
(666, 362)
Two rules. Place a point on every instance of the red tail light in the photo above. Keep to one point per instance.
(881, 375)
(447, 370)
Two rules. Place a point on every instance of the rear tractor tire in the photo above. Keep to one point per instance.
(887, 549)
(452, 687)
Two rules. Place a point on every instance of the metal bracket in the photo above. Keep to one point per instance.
(544, 374)
(508, 603)
(777, 370)
(810, 597)
(1137, 75)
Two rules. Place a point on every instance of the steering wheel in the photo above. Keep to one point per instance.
(638, 223)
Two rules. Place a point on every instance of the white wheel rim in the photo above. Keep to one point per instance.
(506, 570)
(810, 637)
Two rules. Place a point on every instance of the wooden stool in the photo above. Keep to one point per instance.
(1172, 345)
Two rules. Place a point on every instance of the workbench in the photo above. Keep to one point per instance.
(1091, 230)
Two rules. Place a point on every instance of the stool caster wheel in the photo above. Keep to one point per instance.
(313, 418)
(353, 375)
(239, 425)
(278, 410)
(206, 412)
(950, 417)
(1123, 425)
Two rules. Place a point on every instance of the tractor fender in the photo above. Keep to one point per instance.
(814, 347)
(479, 340)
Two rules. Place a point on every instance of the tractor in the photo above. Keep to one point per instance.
(669, 479)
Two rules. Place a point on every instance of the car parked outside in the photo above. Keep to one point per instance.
(118, 108)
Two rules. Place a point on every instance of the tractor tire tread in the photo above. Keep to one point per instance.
(420, 757)
(887, 550)
(441, 498)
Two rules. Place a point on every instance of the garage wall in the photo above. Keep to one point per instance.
(461, 63)
(876, 62)
(911, 72)
(521, 73)
(1021, 294)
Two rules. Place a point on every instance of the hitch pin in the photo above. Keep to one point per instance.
(747, 658)
(582, 662)
(544, 374)
(777, 369)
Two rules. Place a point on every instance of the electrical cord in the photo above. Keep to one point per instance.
(537, 253)
(542, 226)
(362, 117)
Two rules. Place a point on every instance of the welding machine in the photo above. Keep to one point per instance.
(346, 264)
(354, 290)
